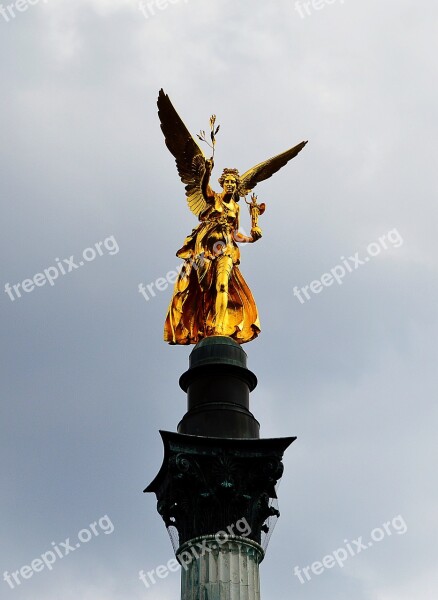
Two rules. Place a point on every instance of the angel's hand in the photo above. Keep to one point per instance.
(209, 164)
(256, 233)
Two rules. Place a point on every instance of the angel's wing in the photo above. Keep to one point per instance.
(189, 158)
(265, 169)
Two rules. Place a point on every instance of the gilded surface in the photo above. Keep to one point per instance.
(211, 297)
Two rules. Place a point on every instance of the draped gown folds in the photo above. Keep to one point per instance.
(192, 313)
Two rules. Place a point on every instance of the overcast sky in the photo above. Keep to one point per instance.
(351, 370)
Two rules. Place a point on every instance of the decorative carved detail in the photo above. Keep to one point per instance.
(205, 486)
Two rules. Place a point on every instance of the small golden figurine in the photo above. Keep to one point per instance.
(255, 210)
(211, 296)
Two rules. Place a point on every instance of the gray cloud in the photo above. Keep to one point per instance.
(87, 381)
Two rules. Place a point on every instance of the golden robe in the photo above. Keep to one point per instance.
(191, 315)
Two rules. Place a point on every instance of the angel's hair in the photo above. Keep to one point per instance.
(233, 172)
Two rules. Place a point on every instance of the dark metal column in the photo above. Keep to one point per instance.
(217, 481)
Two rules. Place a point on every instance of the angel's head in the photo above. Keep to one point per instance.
(229, 180)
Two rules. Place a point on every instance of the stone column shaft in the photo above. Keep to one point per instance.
(220, 568)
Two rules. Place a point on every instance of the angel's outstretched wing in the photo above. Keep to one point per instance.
(189, 158)
(265, 169)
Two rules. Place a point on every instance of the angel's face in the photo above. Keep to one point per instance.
(230, 184)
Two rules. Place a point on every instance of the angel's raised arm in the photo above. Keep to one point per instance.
(207, 192)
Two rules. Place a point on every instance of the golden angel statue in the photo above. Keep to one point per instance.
(211, 296)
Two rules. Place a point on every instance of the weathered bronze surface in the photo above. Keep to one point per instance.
(211, 296)
(207, 483)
